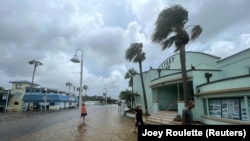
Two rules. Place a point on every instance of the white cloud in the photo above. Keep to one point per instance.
(221, 48)
(245, 38)
(51, 31)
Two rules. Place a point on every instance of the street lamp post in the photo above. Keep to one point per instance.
(75, 59)
(36, 64)
(45, 99)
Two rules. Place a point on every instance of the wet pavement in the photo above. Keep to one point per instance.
(66, 125)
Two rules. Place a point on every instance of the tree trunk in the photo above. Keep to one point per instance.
(143, 89)
(132, 87)
(184, 73)
(86, 95)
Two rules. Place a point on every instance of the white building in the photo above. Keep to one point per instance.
(39, 97)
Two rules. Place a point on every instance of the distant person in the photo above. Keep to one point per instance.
(187, 114)
(83, 112)
(138, 116)
(119, 106)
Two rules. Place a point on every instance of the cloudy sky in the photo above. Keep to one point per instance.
(50, 31)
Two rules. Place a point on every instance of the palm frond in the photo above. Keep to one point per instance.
(169, 20)
(168, 43)
(132, 51)
(127, 75)
(160, 34)
(132, 72)
(140, 57)
(176, 49)
(195, 32)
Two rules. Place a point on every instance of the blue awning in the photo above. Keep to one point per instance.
(75, 98)
(33, 97)
(50, 97)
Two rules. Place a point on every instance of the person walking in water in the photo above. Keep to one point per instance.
(119, 106)
(138, 116)
(83, 112)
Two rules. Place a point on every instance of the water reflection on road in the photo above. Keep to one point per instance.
(101, 125)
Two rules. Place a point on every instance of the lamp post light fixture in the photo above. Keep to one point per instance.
(36, 64)
(75, 59)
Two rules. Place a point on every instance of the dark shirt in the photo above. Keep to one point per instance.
(188, 116)
(138, 113)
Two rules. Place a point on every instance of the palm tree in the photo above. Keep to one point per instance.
(36, 64)
(170, 28)
(69, 84)
(134, 53)
(128, 96)
(78, 89)
(129, 75)
(74, 89)
(85, 87)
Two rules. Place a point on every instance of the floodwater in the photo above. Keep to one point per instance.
(103, 123)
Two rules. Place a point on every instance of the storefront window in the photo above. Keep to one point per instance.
(215, 108)
(205, 106)
(248, 104)
(243, 110)
(18, 86)
(228, 108)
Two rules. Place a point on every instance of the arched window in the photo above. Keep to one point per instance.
(16, 103)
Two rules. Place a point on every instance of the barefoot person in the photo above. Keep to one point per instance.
(83, 112)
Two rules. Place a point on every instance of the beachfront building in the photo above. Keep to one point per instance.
(18, 89)
(39, 97)
(219, 87)
(4, 99)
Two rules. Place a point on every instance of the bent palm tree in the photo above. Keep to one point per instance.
(129, 75)
(85, 87)
(173, 20)
(128, 96)
(69, 84)
(135, 53)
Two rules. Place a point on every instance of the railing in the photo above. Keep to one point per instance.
(153, 103)
(174, 102)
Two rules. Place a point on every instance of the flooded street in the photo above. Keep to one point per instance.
(101, 124)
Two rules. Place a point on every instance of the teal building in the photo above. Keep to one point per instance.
(219, 87)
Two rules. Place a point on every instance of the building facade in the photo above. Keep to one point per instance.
(39, 97)
(4, 99)
(219, 87)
